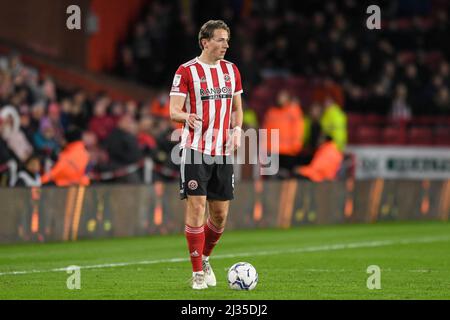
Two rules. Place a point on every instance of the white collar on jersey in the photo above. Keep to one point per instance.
(206, 64)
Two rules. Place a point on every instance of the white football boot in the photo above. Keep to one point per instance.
(210, 277)
(198, 281)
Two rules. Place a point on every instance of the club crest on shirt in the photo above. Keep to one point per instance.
(226, 77)
(176, 80)
(203, 80)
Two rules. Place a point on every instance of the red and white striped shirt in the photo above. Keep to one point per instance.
(209, 91)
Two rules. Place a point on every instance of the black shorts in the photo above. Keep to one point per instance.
(205, 175)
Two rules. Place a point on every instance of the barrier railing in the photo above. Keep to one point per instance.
(68, 214)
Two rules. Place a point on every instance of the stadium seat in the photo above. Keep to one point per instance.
(432, 59)
(441, 136)
(424, 121)
(354, 119)
(420, 136)
(372, 119)
(368, 135)
(295, 82)
(394, 135)
(276, 83)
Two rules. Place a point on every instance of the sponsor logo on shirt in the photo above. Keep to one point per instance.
(216, 93)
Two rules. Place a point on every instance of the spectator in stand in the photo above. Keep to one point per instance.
(80, 110)
(70, 169)
(249, 67)
(442, 101)
(25, 123)
(30, 175)
(160, 105)
(127, 67)
(132, 108)
(312, 133)
(5, 152)
(287, 117)
(66, 109)
(54, 117)
(48, 91)
(98, 157)
(117, 111)
(401, 109)
(444, 72)
(13, 136)
(123, 148)
(378, 101)
(250, 119)
(334, 123)
(165, 146)
(413, 85)
(146, 141)
(36, 114)
(325, 164)
(45, 140)
(101, 124)
(326, 87)
(143, 50)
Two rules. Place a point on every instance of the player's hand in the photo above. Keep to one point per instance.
(236, 138)
(194, 121)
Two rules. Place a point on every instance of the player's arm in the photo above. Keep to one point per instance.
(237, 117)
(178, 95)
(237, 113)
(177, 114)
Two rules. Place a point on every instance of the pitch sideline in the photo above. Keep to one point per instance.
(339, 246)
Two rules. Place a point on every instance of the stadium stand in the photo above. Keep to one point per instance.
(393, 84)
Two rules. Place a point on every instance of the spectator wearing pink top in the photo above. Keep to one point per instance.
(101, 124)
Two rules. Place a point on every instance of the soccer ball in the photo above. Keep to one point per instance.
(242, 276)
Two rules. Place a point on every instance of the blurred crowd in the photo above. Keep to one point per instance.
(38, 121)
(400, 70)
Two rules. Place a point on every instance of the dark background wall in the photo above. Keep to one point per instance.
(40, 27)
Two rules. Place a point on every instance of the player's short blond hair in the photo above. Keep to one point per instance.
(207, 30)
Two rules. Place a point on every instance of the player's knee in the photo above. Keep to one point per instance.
(219, 221)
(219, 216)
(197, 207)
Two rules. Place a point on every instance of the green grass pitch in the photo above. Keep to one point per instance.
(309, 262)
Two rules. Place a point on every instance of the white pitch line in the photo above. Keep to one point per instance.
(339, 246)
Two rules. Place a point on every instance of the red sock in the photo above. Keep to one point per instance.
(196, 238)
(212, 236)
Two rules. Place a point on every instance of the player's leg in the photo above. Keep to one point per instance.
(194, 177)
(214, 227)
(195, 236)
(215, 224)
(220, 192)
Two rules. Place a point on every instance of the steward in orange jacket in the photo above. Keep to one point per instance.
(71, 165)
(287, 117)
(325, 163)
